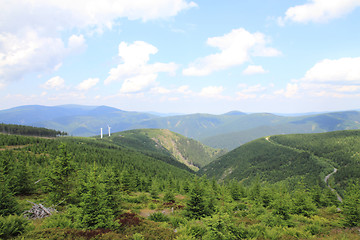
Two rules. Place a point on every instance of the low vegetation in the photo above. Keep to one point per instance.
(102, 190)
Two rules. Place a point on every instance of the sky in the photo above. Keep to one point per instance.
(182, 56)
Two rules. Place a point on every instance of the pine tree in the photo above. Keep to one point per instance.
(169, 196)
(23, 183)
(111, 190)
(126, 181)
(59, 177)
(8, 204)
(196, 207)
(154, 191)
(351, 205)
(235, 190)
(94, 205)
(282, 205)
(303, 203)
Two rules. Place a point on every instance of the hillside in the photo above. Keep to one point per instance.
(76, 120)
(228, 130)
(291, 158)
(318, 123)
(91, 188)
(162, 142)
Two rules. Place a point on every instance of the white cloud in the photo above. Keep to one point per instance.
(236, 48)
(87, 84)
(185, 89)
(211, 91)
(29, 52)
(76, 43)
(253, 69)
(134, 70)
(338, 70)
(138, 83)
(54, 83)
(319, 11)
(30, 30)
(55, 15)
(250, 92)
(244, 96)
(160, 90)
(252, 89)
(332, 78)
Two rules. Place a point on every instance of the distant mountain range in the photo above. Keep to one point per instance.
(228, 130)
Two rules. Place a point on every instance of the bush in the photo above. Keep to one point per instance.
(58, 221)
(13, 225)
(177, 221)
(137, 236)
(193, 230)
(220, 226)
(158, 217)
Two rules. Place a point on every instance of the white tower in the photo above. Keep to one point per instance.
(101, 133)
(109, 130)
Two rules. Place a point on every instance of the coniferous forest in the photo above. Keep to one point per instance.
(93, 188)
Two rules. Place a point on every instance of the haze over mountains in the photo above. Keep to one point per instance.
(228, 130)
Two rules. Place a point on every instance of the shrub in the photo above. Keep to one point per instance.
(219, 226)
(137, 236)
(351, 205)
(13, 225)
(194, 229)
(58, 221)
(177, 221)
(158, 217)
(169, 196)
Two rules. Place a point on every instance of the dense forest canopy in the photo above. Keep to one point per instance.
(29, 131)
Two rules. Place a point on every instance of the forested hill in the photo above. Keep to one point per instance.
(293, 157)
(29, 131)
(91, 188)
(229, 130)
(317, 123)
(166, 144)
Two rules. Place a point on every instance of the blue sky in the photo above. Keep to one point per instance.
(182, 56)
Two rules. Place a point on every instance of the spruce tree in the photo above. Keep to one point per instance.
(8, 204)
(94, 205)
(351, 205)
(59, 177)
(196, 206)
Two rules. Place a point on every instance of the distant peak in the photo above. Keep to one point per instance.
(234, 113)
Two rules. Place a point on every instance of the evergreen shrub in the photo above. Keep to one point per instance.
(13, 225)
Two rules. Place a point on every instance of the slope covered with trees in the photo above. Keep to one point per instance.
(292, 157)
(101, 190)
(156, 142)
(229, 130)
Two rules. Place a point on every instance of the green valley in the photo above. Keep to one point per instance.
(137, 185)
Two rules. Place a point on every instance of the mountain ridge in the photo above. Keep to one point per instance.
(228, 130)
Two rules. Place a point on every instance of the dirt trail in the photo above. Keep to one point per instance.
(326, 178)
(327, 183)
